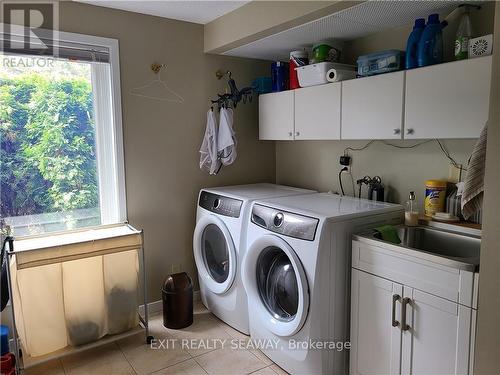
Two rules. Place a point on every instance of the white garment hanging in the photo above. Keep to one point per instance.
(226, 140)
(209, 160)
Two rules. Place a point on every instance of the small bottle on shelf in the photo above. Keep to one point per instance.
(411, 212)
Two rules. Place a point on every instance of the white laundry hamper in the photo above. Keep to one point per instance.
(75, 288)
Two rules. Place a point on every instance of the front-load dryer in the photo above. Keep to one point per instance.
(296, 274)
(221, 220)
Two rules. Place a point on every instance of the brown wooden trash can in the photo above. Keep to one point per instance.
(177, 295)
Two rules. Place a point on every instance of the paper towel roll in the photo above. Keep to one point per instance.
(336, 75)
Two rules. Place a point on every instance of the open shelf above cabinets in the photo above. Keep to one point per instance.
(357, 21)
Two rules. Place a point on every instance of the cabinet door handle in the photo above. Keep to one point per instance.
(409, 131)
(297, 134)
(397, 131)
(290, 134)
(395, 298)
(404, 325)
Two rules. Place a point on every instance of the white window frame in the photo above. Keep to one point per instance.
(105, 183)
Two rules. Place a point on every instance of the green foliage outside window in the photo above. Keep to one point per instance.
(47, 138)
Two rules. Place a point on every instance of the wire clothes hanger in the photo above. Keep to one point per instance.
(157, 89)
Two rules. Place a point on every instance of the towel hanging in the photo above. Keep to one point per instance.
(226, 139)
(472, 196)
(209, 160)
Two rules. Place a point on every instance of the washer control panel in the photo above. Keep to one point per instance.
(286, 223)
(220, 204)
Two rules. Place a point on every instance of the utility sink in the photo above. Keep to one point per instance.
(459, 248)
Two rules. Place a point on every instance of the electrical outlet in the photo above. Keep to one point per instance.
(455, 173)
(176, 268)
(345, 160)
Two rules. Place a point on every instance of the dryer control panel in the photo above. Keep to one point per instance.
(220, 204)
(286, 223)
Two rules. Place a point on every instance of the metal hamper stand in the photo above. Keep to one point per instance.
(144, 320)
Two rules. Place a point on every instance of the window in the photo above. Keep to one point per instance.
(61, 155)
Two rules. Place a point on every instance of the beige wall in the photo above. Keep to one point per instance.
(488, 334)
(162, 139)
(259, 19)
(315, 164)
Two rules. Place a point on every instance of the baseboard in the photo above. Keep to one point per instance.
(157, 306)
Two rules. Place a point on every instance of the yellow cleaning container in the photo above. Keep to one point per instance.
(435, 196)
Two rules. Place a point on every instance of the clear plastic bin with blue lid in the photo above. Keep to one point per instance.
(380, 62)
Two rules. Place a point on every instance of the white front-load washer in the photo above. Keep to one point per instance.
(220, 230)
(296, 274)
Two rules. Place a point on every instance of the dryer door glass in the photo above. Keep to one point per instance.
(215, 253)
(277, 284)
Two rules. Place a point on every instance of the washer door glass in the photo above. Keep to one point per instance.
(277, 284)
(215, 253)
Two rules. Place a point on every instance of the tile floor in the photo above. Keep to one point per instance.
(132, 356)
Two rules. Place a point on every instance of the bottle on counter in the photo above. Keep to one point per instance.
(435, 196)
(411, 212)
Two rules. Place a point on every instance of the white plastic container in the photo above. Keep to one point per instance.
(317, 74)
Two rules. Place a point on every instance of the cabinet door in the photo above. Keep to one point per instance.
(437, 339)
(448, 100)
(372, 107)
(375, 331)
(317, 112)
(276, 116)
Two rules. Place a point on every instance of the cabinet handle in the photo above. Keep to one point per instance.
(297, 134)
(290, 134)
(395, 298)
(397, 131)
(409, 131)
(404, 325)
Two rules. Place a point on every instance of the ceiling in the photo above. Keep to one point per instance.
(200, 11)
(352, 23)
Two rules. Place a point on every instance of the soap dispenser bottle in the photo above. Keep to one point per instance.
(411, 212)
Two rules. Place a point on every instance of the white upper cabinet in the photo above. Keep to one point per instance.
(372, 107)
(448, 100)
(317, 112)
(276, 116)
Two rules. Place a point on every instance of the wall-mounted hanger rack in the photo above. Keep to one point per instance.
(234, 96)
(157, 89)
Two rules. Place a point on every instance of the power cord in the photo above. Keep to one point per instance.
(441, 146)
(340, 179)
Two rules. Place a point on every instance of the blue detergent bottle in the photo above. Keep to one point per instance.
(430, 47)
(412, 44)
